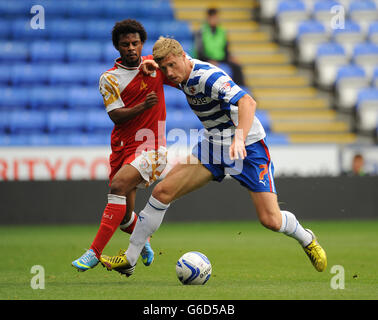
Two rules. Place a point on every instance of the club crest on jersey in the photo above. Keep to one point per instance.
(143, 85)
(226, 87)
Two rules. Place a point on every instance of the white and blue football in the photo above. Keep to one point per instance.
(193, 268)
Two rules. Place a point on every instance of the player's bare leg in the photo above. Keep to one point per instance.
(273, 218)
(181, 180)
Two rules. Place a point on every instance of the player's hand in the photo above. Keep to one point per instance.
(237, 148)
(149, 66)
(151, 100)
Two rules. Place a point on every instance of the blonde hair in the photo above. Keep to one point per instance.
(165, 46)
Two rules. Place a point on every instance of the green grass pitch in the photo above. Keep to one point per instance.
(249, 262)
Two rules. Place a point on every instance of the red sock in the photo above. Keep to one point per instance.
(112, 217)
(129, 226)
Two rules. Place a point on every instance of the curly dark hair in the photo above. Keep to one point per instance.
(128, 26)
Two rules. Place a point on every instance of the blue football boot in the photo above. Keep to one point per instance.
(87, 261)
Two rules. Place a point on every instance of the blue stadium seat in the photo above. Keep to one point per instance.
(152, 28)
(88, 139)
(288, 16)
(21, 30)
(84, 50)
(187, 45)
(225, 67)
(367, 110)
(277, 138)
(12, 51)
(329, 57)
(366, 55)
(182, 119)
(109, 54)
(147, 48)
(66, 29)
(373, 32)
(322, 12)
(54, 9)
(48, 98)
(364, 12)
(180, 30)
(348, 36)
(67, 74)
(4, 121)
(13, 9)
(82, 97)
(310, 34)
(375, 78)
(174, 98)
(99, 29)
(28, 73)
(93, 73)
(87, 9)
(119, 10)
(80, 51)
(349, 80)
(156, 10)
(47, 51)
(65, 121)
(264, 119)
(27, 121)
(5, 29)
(14, 98)
(5, 74)
(98, 122)
(14, 140)
(39, 139)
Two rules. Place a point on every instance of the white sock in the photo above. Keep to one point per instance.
(149, 221)
(292, 228)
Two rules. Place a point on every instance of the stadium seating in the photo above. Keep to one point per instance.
(47, 51)
(289, 15)
(13, 51)
(27, 121)
(13, 98)
(329, 57)
(344, 57)
(42, 71)
(349, 80)
(348, 36)
(310, 34)
(367, 110)
(65, 121)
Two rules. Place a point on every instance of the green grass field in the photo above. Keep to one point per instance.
(249, 262)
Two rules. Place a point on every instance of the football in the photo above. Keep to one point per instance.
(193, 268)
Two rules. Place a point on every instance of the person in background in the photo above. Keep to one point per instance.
(358, 163)
(211, 45)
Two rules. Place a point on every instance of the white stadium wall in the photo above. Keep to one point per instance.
(91, 163)
(69, 185)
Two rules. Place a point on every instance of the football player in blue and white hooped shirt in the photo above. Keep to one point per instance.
(233, 143)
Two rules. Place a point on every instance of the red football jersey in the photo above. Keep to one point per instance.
(123, 87)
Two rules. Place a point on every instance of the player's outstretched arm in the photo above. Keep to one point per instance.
(149, 66)
(247, 108)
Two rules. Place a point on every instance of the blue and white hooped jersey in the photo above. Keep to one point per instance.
(213, 97)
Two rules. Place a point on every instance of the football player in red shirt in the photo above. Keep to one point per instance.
(135, 103)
